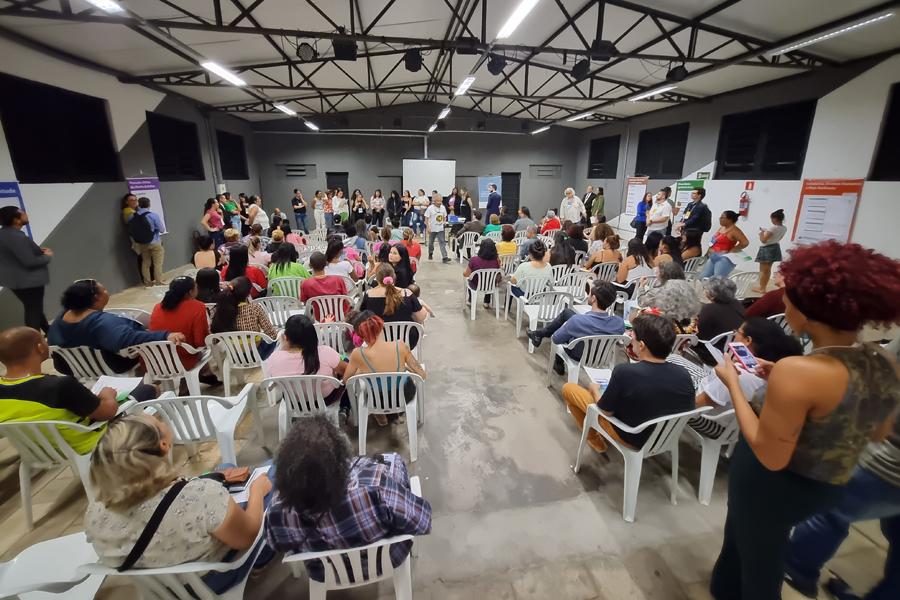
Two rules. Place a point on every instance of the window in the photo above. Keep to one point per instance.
(765, 144)
(232, 157)
(176, 148)
(545, 171)
(887, 159)
(56, 136)
(661, 151)
(603, 160)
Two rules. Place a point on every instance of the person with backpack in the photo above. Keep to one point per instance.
(696, 214)
(144, 228)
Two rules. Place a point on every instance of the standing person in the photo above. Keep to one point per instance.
(421, 204)
(726, 243)
(230, 210)
(129, 206)
(242, 208)
(359, 210)
(212, 221)
(145, 227)
(377, 204)
(639, 222)
(23, 266)
(255, 213)
(524, 221)
(328, 211)
(659, 214)
(667, 193)
(770, 251)
(598, 207)
(435, 217)
(696, 215)
(493, 203)
(452, 201)
(571, 208)
(318, 205)
(394, 206)
(465, 207)
(341, 205)
(588, 201)
(801, 440)
(300, 206)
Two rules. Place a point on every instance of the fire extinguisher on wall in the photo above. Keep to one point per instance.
(744, 207)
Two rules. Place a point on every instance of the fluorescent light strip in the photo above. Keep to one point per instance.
(652, 93)
(311, 125)
(831, 34)
(432, 128)
(579, 117)
(540, 130)
(224, 73)
(110, 6)
(515, 19)
(444, 113)
(286, 110)
(464, 86)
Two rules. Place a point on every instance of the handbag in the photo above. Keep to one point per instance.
(634, 223)
(152, 525)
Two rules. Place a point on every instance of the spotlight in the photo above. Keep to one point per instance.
(306, 53)
(496, 64)
(603, 50)
(677, 73)
(413, 60)
(581, 69)
(467, 45)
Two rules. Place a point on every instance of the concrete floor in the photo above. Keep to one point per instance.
(511, 518)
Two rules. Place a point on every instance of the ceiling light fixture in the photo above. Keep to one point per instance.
(432, 128)
(464, 86)
(286, 110)
(652, 93)
(224, 73)
(110, 6)
(579, 117)
(677, 73)
(830, 34)
(540, 129)
(518, 15)
(444, 113)
(312, 125)
(306, 52)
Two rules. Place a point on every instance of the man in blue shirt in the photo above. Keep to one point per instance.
(570, 325)
(493, 203)
(152, 250)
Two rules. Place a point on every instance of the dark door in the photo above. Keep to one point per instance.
(338, 180)
(509, 186)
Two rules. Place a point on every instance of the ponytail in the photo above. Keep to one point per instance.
(386, 277)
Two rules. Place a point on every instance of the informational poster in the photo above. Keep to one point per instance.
(483, 192)
(683, 191)
(148, 187)
(827, 210)
(11, 195)
(634, 193)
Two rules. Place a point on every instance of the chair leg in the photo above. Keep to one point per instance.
(509, 297)
(403, 581)
(633, 465)
(226, 377)
(25, 493)
(363, 425)
(495, 298)
(253, 404)
(518, 319)
(572, 373)
(586, 428)
(192, 378)
(412, 429)
(82, 467)
(709, 461)
(474, 303)
(317, 590)
(550, 363)
(226, 447)
(674, 493)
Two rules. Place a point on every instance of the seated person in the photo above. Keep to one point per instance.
(393, 303)
(255, 253)
(276, 241)
(638, 263)
(328, 498)
(28, 395)
(575, 233)
(724, 312)
(536, 266)
(494, 225)
(234, 312)
(507, 246)
(284, 263)
(569, 325)
(206, 255)
(83, 323)
(476, 224)
(505, 217)
(321, 283)
(531, 236)
(637, 392)
(608, 252)
(132, 474)
(337, 264)
(398, 257)
(486, 258)
(599, 233)
(232, 240)
(239, 266)
(551, 223)
(675, 298)
(209, 285)
(256, 230)
(524, 221)
(413, 248)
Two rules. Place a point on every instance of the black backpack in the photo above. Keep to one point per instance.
(140, 229)
(705, 219)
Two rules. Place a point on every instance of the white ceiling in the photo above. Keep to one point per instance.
(120, 47)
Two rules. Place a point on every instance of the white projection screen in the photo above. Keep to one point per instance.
(422, 173)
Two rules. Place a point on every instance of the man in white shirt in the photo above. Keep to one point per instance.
(659, 215)
(435, 217)
(572, 208)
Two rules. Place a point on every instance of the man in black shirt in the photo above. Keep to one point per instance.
(299, 206)
(637, 392)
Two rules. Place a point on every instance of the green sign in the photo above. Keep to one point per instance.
(683, 191)
(702, 174)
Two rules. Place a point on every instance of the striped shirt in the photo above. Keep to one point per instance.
(883, 458)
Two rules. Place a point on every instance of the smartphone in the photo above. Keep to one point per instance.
(743, 355)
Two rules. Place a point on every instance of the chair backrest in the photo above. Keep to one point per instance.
(606, 271)
(188, 417)
(667, 430)
(575, 282)
(368, 564)
(237, 347)
(532, 285)
(507, 264)
(469, 239)
(135, 314)
(486, 280)
(192, 273)
(336, 305)
(401, 331)
(210, 310)
(278, 308)
(547, 240)
(727, 420)
(642, 285)
(261, 267)
(352, 289)
(40, 443)
(723, 339)
(520, 235)
(160, 359)
(264, 241)
(285, 286)
(683, 341)
(86, 364)
(580, 256)
(496, 236)
(599, 351)
(550, 304)
(383, 392)
(693, 265)
(332, 334)
(782, 322)
(744, 282)
(557, 272)
(301, 393)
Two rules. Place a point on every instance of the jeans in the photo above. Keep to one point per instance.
(329, 221)
(33, 301)
(378, 217)
(440, 238)
(640, 229)
(266, 349)
(151, 254)
(717, 266)
(301, 221)
(218, 238)
(815, 541)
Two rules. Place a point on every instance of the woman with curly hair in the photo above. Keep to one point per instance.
(802, 436)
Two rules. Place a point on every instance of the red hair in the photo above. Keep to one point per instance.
(843, 285)
(370, 328)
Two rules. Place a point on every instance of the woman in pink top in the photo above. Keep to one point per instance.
(212, 221)
(301, 354)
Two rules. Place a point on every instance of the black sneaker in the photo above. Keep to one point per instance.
(446, 260)
(808, 588)
(431, 257)
(840, 589)
(535, 338)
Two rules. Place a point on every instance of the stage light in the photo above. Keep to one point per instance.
(677, 73)
(496, 64)
(603, 50)
(306, 52)
(581, 69)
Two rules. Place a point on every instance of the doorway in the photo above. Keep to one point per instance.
(510, 183)
(338, 180)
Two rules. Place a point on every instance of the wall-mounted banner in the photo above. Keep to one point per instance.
(827, 210)
(683, 191)
(634, 193)
(11, 195)
(148, 187)
(483, 193)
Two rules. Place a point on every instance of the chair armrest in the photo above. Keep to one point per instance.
(190, 349)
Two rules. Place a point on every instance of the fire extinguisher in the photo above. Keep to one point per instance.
(744, 208)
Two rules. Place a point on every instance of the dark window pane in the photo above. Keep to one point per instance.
(887, 159)
(603, 161)
(176, 148)
(661, 151)
(232, 157)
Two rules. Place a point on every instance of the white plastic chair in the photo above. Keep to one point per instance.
(41, 446)
(694, 265)
(521, 236)
(163, 364)
(726, 337)
(711, 448)
(299, 396)
(465, 245)
(261, 267)
(285, 286)
(557, 272)
(337, 305)
(278, 308)
(575, 283)
(744, 282)
(543, 307)
(529, 286)
(86, 364)
(402, 331)
(332, 334)
(597, 352)
(508, 263)
(782, 322)
(606, 271)
(684, 341)
(580, 257)
(487, 283)
(382, 393)
(548, 239)
(53, 568)
(210, 310)
(664, 438)
(198, 419)
(353, 289)
(238, 351)
(183, 582)
(496, 236)
(376, 557)
(135, 314)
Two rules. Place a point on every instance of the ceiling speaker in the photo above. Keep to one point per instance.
(581, 69)
(496, 63)
(603, 50)
(413, 60)
(344, 49)
(467, 45)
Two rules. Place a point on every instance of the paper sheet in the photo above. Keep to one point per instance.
(122, 385)
(244, 494)
(599, 376)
